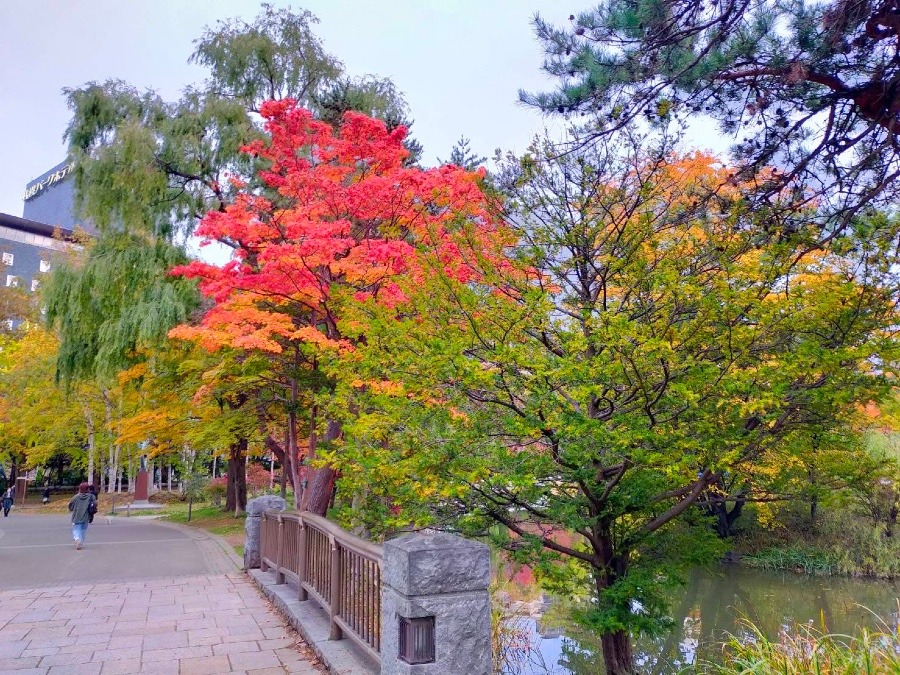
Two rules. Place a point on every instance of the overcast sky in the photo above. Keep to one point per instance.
(460, 64)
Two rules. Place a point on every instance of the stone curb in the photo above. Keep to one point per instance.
(341, 657)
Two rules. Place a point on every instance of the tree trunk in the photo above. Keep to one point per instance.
(318, 495)
(617, 654)
(117, 468)
(236, 495)
(724, 519)
(89, 422)
(893, 514)
(114, 468)
(813, 499)
(291, 452)
(112, 449)
(283, 458)
(286, 469)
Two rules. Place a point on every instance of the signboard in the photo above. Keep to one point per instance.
(49, 181)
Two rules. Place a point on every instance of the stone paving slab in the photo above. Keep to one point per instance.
(194, 625)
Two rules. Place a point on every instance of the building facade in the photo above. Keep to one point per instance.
(27, 250)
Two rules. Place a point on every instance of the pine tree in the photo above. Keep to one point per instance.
(810, 88)
(463, 156)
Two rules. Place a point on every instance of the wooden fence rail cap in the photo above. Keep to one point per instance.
(367, 549)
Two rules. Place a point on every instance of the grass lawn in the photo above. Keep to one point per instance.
(210, 518)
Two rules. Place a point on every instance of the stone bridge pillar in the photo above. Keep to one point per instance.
(436, 609)
(255, 508)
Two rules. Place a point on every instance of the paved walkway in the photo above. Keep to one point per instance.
(96, 616)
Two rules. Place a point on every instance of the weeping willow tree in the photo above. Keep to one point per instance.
(110, 309)
(117, 303)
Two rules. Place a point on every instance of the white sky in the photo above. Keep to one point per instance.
(460, 64)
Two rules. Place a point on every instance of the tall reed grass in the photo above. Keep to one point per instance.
(806, 650)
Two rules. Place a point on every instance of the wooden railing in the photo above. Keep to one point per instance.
(340, 571)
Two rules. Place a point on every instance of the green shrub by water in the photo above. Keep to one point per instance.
(841, 542)
(808, 651)
(798, 558)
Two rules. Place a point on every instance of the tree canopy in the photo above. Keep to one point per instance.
(809, 88)
(159, 166)
(337, 223)
(646, 351)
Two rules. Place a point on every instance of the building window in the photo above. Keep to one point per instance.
(8, 259)
(34, 285)
(12, 280)
(45, 265)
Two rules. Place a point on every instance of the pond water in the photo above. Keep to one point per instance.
(712, 604)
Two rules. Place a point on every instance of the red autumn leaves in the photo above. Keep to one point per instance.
(338, 218)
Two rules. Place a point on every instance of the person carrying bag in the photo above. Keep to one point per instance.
(83, 507)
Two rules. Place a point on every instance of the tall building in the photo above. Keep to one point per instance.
(47, 225)
(50, 198)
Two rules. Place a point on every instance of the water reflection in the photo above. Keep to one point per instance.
(712, 604)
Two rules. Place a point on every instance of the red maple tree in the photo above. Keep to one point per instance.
(337, 218)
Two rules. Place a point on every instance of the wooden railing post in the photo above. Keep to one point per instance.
(279, 558)
(301, 564)
(335, 633)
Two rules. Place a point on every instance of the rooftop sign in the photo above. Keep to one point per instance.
(54, 178)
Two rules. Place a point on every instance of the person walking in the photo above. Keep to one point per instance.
(7, 502)
(82, 506)
(45, 498)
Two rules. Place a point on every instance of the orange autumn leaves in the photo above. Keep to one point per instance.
(340, 219)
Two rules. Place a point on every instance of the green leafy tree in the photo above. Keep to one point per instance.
(116, 303)
(644, 350)
(809, 87)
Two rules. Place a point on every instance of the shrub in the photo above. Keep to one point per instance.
(842, 542)
(194, 486)
(217, 490)
(258, 478)
(797, 558)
